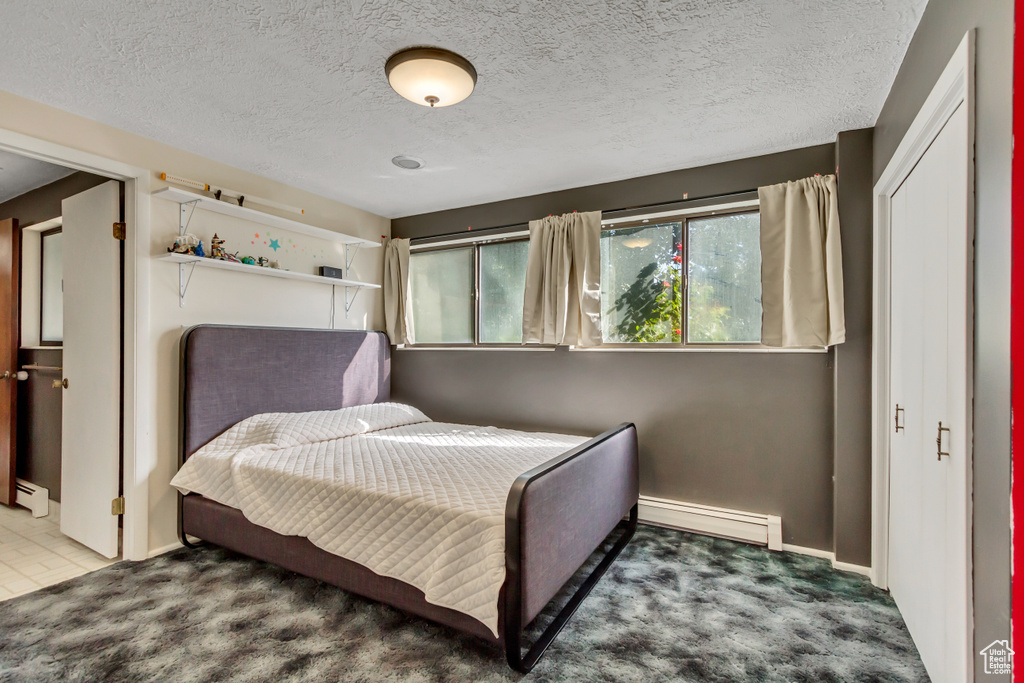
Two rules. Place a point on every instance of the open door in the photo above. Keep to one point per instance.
(10, 329)
(90, 443)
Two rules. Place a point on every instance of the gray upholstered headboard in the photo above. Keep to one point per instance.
(230, 373)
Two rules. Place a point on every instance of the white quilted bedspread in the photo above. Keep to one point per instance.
(384, 486)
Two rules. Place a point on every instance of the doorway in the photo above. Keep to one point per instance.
(65, 454)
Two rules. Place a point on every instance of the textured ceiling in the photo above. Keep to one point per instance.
(19, 174)
(570, 93)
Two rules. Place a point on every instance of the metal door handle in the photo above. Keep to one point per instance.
(57, 384)
(898, 425)
(938, 442)
(6, 375)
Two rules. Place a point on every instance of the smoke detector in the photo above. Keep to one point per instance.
(407, 162)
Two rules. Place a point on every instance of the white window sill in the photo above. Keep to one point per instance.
(425, 347)
(692, 349)
(614, 349)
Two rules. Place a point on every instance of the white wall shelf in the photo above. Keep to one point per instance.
(190, 201)
(261, 270)
(352, 287)
(201, 201)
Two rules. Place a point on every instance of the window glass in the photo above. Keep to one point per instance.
(502, 286)
(52, 303)
(724, 279)
(641, 280)
(441, 289)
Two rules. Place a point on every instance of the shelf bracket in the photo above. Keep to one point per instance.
(350, 255)
(349, 300)
(183, 281)
(184, 220)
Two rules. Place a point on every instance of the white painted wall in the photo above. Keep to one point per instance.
(214, 296)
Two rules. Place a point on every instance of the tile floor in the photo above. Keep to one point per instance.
(34, 553)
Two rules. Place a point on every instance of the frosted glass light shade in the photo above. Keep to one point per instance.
(431, 76)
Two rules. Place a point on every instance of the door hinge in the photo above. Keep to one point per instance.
(117, 506)
(120, 230)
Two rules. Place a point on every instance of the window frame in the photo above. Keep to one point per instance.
(681, 215)
(476, 245)
(684, 324)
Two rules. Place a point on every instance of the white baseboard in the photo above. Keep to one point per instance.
(830, 556)
(813, 552)
(714, 521)
(855, 568)
(35, 498)
(165, 549)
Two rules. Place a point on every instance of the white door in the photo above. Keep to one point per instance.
(90, 443)
(928, 570)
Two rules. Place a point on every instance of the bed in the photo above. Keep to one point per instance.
(573, 496)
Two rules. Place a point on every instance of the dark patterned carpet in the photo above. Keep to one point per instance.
(674, 606)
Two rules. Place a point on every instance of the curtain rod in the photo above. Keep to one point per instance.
(645, 207)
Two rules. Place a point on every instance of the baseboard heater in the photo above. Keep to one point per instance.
(705, 519)
(35, 498)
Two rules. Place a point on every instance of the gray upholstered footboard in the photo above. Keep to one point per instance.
(556, 516)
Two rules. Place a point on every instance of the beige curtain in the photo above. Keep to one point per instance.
(562, 304)
(397, 305)
(801, 264)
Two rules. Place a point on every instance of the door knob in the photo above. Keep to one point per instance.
(57, 384)
(6, 375)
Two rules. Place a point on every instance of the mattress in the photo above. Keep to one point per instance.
(384, 486)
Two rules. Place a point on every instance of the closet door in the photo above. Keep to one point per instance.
(929, 447)
(90, 444)
(906, 460)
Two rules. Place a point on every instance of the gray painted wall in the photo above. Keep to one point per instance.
(743, 431)
(43, 203)
(942, 27)
(39, 419)
(739, 430)
(852, 384)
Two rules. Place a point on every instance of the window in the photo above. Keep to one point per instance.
(650, 298)
(640, 283)
(677, 281)
(502, 287)
(441, 287)
(724, 279)
(51, 305)
(446, 307)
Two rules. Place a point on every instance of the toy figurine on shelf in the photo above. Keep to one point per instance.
(249, 260)
(232, 258)
(184, 244)
(200, 252)
(274, 264)
(217, 248)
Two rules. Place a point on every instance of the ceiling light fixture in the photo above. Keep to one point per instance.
(408, 163)
(430, 76)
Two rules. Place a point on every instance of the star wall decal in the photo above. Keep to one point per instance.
(274, 245)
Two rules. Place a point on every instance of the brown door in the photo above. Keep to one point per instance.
(10, 329)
